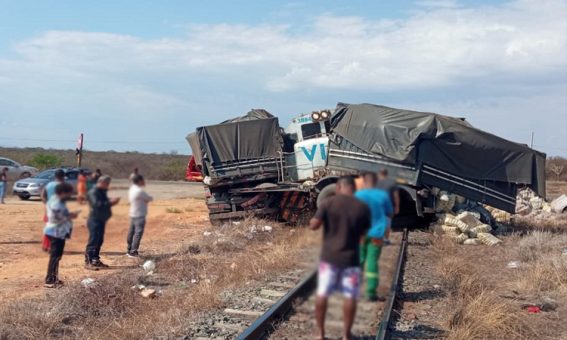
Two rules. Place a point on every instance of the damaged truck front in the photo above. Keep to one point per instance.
(253, 166)
(237, 155)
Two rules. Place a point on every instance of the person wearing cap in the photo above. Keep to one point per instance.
(46, 194)
(139, 200)
(100, 213)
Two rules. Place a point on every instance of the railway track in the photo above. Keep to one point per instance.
(292, 315)
(246, 306)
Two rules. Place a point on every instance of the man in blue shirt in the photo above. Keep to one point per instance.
(380, 205)
(49, 189)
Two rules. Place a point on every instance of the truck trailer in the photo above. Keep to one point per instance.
(252, 166)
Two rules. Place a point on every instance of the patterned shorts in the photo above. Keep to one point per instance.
(332, 278)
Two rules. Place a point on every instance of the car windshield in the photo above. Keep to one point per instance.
(48, 174)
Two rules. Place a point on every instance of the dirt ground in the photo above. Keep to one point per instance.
(23, 264)
(179, 216)
(555, 189)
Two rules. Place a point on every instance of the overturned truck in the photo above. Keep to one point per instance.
(253, 166)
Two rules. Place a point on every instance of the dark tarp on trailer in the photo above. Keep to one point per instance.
(240, 141)
(193, 140)
(193, 137)
(446, 143)
(251, 115)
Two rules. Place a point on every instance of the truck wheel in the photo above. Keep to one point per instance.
(327, 192)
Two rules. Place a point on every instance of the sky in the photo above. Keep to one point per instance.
(140, 75)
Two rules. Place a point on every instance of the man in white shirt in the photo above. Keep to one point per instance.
(139, 200)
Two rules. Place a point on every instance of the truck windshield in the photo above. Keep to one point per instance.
(311, 130)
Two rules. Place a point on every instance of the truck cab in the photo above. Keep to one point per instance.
(306, 146)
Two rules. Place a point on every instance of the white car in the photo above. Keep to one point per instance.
(16, 170)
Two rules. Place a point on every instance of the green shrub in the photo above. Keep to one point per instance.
(44, 161)
(174, 170)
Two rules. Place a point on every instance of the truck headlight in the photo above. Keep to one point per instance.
(315, 116)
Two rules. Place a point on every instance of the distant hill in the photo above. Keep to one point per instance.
(116, 164)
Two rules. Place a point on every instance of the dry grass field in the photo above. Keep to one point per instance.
(489, 299)
(555, 189)
(195, 264)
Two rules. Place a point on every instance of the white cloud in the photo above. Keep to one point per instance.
(434, 47)
(438, 3)
(512, 116)
(441, 45)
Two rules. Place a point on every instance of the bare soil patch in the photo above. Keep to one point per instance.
(23, 263)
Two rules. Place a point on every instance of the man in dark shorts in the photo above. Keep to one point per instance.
(390, 186)
(345, 221)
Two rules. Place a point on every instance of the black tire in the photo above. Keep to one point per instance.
(327, 192)
(24, 197)
(25, 175)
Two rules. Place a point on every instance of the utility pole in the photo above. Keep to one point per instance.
(532, 143)
(79, 150)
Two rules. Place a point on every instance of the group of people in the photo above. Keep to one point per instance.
(356, 226)
(59, 220)
(355, 222)
(85, 182)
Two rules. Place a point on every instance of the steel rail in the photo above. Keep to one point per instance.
(264, 324)
(384, 326)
